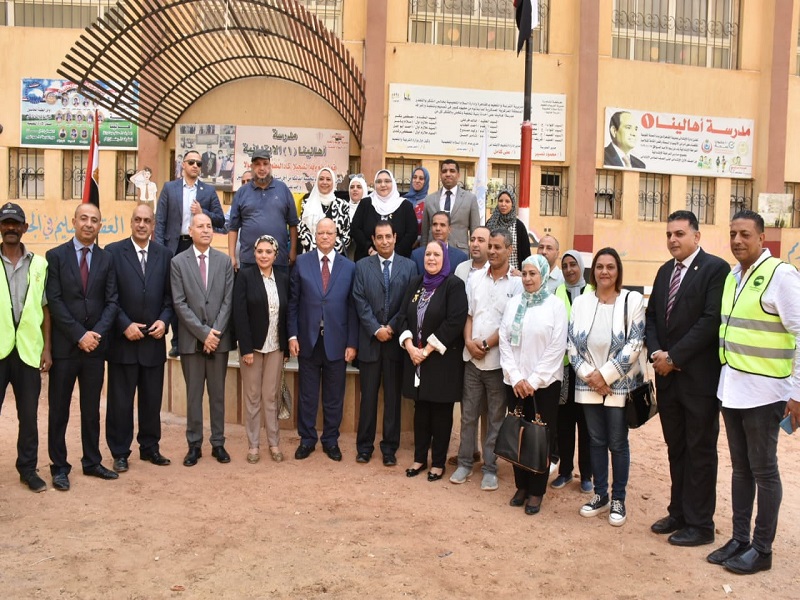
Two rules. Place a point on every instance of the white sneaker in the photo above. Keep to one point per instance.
(617, 516)
(489, 482)
(595, 506)
(460, 475)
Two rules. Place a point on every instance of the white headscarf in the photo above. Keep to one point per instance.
(364, 193)
(386, 205)
(313, 211)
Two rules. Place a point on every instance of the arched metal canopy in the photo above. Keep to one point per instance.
(149, 60)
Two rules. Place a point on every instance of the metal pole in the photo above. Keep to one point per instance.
(526, 134)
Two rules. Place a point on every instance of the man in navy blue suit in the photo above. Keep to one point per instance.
(440, 231)
(137, 354)
(380, 283)
(323, 335)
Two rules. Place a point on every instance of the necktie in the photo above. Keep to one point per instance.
(386, 265)
(674, 284)
(447, 195)
(626, 161)
(202, 258)
(143, 261)
(84, 269)
(326, 274)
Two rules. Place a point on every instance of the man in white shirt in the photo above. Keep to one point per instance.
(549, 248)
(478, 253)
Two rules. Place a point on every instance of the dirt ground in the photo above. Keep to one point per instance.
(319, 529)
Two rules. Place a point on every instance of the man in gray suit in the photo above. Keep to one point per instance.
(461, 205)
(202, 292)
(380, 283)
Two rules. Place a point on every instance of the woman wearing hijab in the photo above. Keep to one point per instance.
(570, 414)
(533, 340)
(432, 319)
(420, 181)
(358, 191)
(322, 202)
(505, 217)
(384, 204)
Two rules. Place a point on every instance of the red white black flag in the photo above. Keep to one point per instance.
(527, 20)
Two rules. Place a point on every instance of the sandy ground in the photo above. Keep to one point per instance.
(319, 529)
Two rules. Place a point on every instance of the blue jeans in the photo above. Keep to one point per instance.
(608, 432)
(753, 444)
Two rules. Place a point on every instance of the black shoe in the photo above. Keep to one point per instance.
(668, 524)
(101, 472)
(333, 452)
(120, 464)
(155, 457)
(33, 481)
(533, 509)
(389, 460)
(748, 562)
(363, 458)
(221, 454)
(519, 498)
(192, 456)
(303, 452)
(731, 549)
(435, 476)
(173, 352)
(61, 482)
(691, 536)
(411, 472)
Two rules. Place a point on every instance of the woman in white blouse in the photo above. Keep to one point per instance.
(533, 339)
(606, 335)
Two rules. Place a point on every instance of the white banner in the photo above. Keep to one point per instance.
(676, 144)
(450, 122)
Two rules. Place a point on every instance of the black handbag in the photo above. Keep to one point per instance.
(640, 402)
(523, 443)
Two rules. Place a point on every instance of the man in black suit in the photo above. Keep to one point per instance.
(82, 298)
(378, 307)
(683, 318)
(137, 353)
(624, 135)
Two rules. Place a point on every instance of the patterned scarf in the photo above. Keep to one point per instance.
(530, 298)
(509, 222)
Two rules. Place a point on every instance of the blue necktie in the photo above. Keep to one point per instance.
(386, 265)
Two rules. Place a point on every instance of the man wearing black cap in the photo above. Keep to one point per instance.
(263, 206)
(25, 343)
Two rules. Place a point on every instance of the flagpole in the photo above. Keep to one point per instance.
(527, 135)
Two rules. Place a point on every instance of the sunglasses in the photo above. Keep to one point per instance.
(192, 163)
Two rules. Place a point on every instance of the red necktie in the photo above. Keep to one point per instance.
(84, 269)
(326, 274)
(202, 258)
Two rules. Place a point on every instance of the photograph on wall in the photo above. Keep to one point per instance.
(215, 144)
(53, 113)
(676, 144)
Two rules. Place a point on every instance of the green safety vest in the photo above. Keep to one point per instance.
(752, 340)
(28, 336)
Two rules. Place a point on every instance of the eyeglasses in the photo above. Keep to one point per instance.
(192, 163)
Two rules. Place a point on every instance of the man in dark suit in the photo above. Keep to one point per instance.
(624, 135)
(377, 305)
(682, 336)
(440, 231)
(202, 295)
(137, 353)
(461, 205)
(323, 334)
(82, 298)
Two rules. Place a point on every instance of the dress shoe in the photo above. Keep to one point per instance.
(389, 460)
(748, 562)
(101, 472)
(533, 506)
(519, 498)
(156, 458)
(173, 352)
(33, 481)
(731, 549)
(303, 452)
(221, 454)
(192, 456)
(412, 472)
(363, 458)
(435, 476)
(691, 536)
(120, 464)
(668, 524)
(333, 452)
(61, 482)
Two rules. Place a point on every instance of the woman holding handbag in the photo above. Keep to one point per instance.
(533, 339)
(606, 336)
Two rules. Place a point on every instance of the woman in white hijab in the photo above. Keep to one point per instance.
(322, 203)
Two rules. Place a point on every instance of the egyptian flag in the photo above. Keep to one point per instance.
(91, 193)
(527, 20)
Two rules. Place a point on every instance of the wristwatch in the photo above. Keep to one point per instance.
(485, 346)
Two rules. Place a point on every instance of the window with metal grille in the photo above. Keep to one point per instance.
(74, 173)
(741, 195)
(472, 23)
(327, 11)
(402, 169)
(504, 177)
(25, 174)
(553, 192)
(126, 167)
(653, 197)
(701, 33)
(68, 14)
(793, 188)
(700, 196)
(607, 194)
